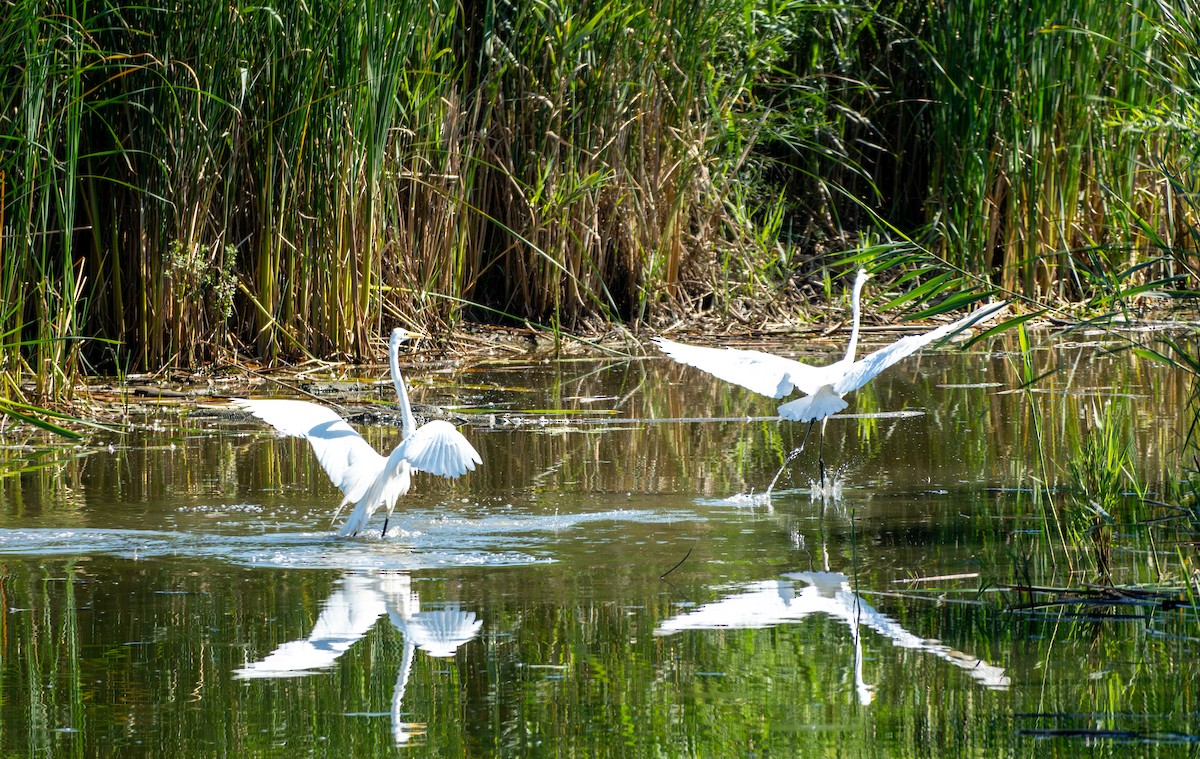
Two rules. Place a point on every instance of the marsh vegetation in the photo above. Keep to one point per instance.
(211, 191)
(191, 182)
(158, 583)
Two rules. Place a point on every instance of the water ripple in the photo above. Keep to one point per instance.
(510, 540)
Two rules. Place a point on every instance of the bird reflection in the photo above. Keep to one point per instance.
(437, 632)
(349, 614)
(772, 602)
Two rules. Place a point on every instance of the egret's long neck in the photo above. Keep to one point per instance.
(855, 302)
(407, 423)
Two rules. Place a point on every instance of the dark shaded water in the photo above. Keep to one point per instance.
(178, 591)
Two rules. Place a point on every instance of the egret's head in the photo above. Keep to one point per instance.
(401, 335)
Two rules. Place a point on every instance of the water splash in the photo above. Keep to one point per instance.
(422, 541)
(749, 499)
(828, 490)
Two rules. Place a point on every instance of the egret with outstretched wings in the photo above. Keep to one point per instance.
(366, 478)
(824, 387)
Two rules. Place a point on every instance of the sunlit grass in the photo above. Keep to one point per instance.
(289, 180)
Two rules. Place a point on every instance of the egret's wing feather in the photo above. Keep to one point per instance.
(764, 373)
(864, 370)
(819, 405)
(351, 463)
(438, 448)
(391, 483)
(295, 418)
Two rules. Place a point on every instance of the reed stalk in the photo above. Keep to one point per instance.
(193, 179)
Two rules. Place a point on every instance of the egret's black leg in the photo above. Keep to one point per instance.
(385, 521)
(821, 452)
(795, 452)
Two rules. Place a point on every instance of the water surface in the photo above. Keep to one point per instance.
(178, 590)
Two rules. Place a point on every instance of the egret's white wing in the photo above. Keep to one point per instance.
(438, 448)
(764, 373)
(862, 371)
(295, 418)
(351, 463)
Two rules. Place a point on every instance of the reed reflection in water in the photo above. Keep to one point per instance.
(147, 579)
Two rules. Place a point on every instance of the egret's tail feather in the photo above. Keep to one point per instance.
(357, 520)
(813, 407)
(338, 510)
(375, 497)
(391, 483)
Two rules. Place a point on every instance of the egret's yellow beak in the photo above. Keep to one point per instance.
(400, 334)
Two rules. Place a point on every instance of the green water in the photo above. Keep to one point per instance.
(176, 592)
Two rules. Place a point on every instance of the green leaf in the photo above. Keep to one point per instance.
(6, 408)
(1003, 326)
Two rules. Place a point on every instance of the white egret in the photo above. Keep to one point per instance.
(366, 478)
(823, 386)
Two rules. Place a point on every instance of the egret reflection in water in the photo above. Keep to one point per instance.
(350, 613)
(768, 603)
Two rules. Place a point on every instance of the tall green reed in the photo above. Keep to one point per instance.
(340, 165)
(1039, 171)
(594, 156)
(197, 179)
(47, 61)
